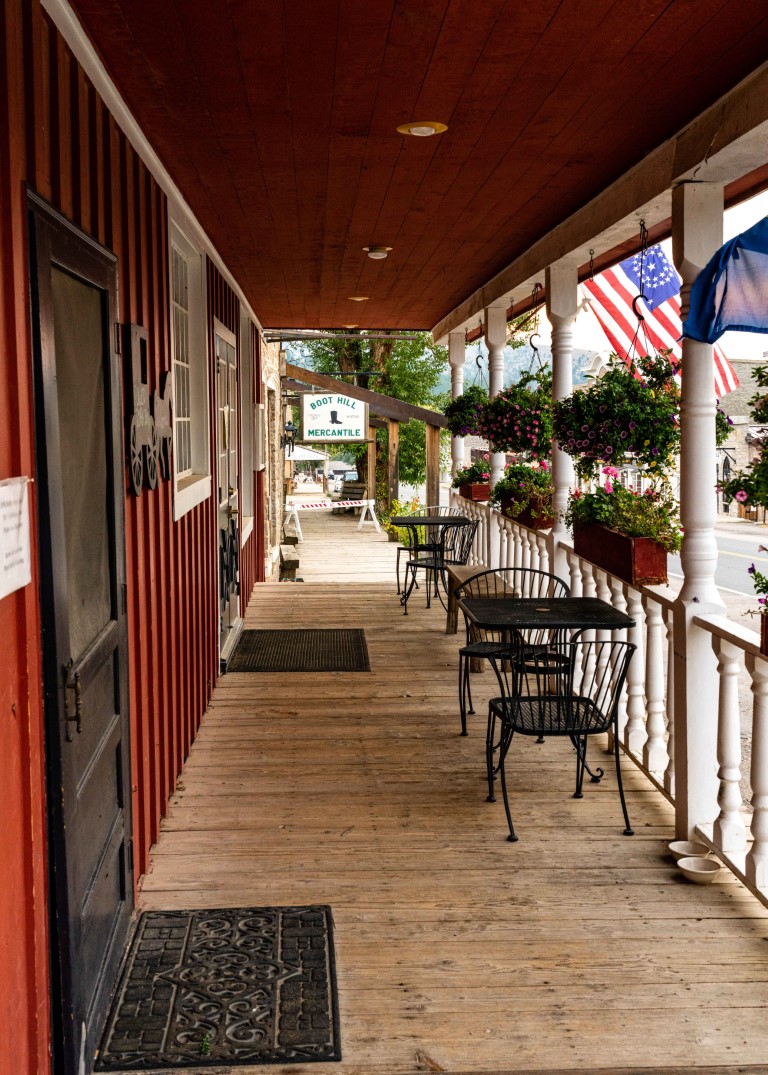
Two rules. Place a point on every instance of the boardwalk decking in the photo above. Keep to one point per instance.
(576, 949)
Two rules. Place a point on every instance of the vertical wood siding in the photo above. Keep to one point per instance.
(57, 137)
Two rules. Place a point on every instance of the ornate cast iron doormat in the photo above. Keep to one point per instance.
(342, 650)
(234, 986)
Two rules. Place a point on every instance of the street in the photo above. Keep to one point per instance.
(738, 544)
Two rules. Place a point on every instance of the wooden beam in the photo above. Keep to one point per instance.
(433, 465)
(393, 464)
(386, 406)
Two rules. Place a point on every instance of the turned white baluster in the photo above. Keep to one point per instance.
(655, 757)
(756, 867)
(669, 772)
(543, 554)
(729, 832)
(635, 735)
(574, 568)
(526, 546)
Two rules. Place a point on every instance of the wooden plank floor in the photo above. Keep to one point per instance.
(576, 949)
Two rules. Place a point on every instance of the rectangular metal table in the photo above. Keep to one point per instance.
(559, 613)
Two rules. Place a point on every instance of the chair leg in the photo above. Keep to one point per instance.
(507, 739)
(408, 587)
(489, 732)
(595, 776)
(397, 567)
(468, 684)
(628, 830)
(463, 693)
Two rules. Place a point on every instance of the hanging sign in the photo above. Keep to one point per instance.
(333, 417)
(15, 558)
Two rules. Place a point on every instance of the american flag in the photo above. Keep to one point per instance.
(651, 274)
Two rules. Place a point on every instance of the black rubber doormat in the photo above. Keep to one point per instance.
(314, 650)
(234, 986)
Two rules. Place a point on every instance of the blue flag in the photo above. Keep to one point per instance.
(731, 291)
(659, 280)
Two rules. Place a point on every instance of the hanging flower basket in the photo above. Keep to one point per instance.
(640, 561)
(519, 418)
(475, 490)
(463, 413)
(630, 414)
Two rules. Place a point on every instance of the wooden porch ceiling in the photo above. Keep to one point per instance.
(574, 950)
(277, 120)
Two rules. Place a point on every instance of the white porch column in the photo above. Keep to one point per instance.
(562, 306)
(456, 357)
(495, 338)
(697, 232)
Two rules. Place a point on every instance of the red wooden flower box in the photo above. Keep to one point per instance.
(637, 560)
(475, 491)
(526, 517)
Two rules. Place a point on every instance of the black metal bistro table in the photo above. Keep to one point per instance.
(556, 613)
(432, 525)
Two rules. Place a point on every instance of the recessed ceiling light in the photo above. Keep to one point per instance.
(350, 326)
(358, 298)
(422, 128)
(377, 252)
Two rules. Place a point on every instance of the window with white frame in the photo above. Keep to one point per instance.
(247, 420)
(192, 476)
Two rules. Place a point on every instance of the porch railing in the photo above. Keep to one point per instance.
(739, 834)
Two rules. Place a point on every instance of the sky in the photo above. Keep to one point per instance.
(589, 336)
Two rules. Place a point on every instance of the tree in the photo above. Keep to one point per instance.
(406, 369)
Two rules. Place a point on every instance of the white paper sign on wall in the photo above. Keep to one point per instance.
(333, 417)
(15, 554)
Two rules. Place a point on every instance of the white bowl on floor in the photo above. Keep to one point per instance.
(701, 871)
(682, 849)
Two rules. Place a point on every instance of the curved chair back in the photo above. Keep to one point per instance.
(456, 542)
(512, 582)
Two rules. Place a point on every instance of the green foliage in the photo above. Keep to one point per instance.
(476, 472)
(400, 507)
(653, 514)
(630, 414)
(723, 426)
(519, 418)
(465, 412)
(409, 371)
(523, 483)
(750, 486)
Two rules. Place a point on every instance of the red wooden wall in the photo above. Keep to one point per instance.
(63, 143)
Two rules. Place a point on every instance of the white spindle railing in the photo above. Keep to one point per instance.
(739, 835)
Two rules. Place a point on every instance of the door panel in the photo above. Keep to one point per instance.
(82, 558)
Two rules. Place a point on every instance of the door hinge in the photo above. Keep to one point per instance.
(117, 338)
(124, 589)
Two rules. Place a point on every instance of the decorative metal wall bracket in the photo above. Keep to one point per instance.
(149, 421)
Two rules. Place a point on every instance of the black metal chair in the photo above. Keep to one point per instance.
(573, 692)
(430, 535)
(483, 644)
(454, 547)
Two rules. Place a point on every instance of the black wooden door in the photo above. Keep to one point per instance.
(82, 558)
